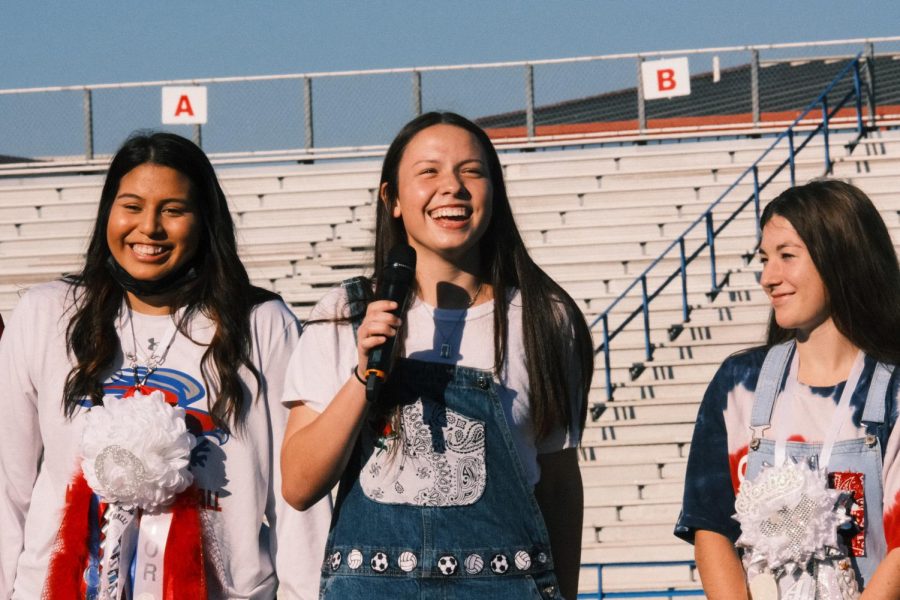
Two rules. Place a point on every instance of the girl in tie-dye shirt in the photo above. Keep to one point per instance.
(831, 273)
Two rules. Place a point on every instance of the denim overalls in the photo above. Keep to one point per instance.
(443, 511)
(851, 460)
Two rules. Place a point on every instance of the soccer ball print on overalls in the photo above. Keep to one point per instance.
(477, 533)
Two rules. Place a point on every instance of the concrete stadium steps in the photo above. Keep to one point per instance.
(341, 196)
(614, 412)
(593, 219)
(634, 490)
(676, 153)
(653, 545)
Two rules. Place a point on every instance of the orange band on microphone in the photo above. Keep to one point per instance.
(377, 373)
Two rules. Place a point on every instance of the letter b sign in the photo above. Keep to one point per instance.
(666, 78)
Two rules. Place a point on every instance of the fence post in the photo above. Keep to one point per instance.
(754, 85)
(88, 125)
(870, 82)
(641, 104)
(417, 93)
(600, 582)
(825, 134)
(529, 100)
(857, 91)
(308, 112)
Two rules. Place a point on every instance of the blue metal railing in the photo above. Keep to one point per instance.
(788, 135)
(666, 593)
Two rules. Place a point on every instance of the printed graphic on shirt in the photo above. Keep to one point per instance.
(179, 389)
(440, 461)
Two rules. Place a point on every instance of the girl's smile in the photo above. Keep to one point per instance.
(444, 193)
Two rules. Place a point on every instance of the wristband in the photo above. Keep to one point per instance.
(355, 372)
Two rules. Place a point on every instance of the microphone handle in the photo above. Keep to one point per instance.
(381, 358)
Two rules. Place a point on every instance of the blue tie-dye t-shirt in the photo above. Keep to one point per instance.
(718, 456)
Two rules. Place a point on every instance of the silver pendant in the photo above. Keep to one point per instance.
(445, 350)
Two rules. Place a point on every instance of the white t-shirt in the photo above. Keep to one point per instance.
(238, 473)
(327, 351)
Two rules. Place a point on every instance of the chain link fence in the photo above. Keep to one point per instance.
(318, 114)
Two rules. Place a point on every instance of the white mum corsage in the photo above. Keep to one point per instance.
(136, 451)
(788, 517)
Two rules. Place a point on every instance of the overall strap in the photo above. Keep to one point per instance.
(873, 413)
(359, 294)
(769, 383)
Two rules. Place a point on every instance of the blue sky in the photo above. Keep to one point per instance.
(103, 41)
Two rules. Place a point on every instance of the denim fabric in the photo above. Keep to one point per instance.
(496, 547)
(863, 455)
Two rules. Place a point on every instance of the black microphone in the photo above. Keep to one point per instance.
(394, 284)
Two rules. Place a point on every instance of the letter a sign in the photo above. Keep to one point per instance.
(184, 105)
(666, 78)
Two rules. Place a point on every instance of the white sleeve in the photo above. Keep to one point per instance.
(297, 539)
(322, 361)
(20, 436)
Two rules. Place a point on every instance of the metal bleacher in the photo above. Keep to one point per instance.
(594, 219)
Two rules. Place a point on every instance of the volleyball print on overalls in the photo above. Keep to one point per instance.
(440, 461)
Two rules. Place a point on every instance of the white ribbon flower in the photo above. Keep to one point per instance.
(135, 452)
(788, 517)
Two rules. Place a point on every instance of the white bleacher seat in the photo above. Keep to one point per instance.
(593, 219)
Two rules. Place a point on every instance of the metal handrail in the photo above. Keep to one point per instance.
(437, 68)
(821, 102)
(666, 593)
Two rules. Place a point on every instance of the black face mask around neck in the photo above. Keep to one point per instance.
(139, 287)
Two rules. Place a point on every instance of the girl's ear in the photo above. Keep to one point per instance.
(392, 205)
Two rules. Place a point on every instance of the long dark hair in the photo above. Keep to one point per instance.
(221, 291)
(552, 324)
(852, 250)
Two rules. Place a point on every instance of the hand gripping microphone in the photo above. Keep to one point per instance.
(394, 284)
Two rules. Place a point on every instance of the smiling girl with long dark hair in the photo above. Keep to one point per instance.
(462, 476)
(796, 453)
(141, 407)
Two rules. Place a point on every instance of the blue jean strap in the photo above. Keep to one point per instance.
(873, 413)
(359, 294)
(771, 377)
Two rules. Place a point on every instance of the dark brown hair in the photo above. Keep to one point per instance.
(221, 291)
(553, 326)
(855, 257)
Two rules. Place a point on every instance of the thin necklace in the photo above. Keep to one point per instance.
(154, 361)
(445, 339)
